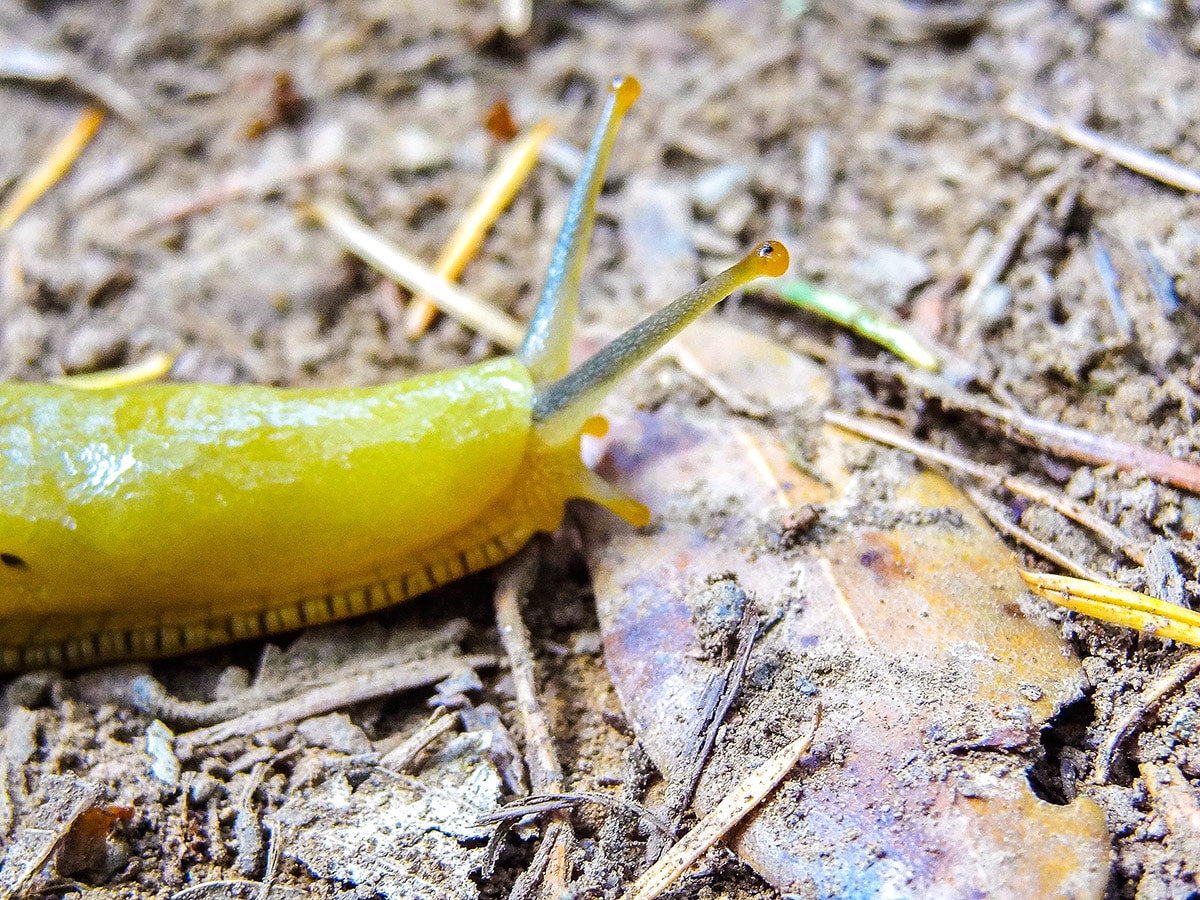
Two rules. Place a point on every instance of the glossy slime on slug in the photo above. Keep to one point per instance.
(156, 519)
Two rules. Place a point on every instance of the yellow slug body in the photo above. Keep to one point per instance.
(144, 521)
(151, 520)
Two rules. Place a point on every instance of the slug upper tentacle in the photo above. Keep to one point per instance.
(156, 519)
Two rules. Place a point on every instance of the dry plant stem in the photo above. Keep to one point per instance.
(997, 261)
(545, 772)
(150, 697)
(994, 476)
(1149, 164)
(712, 718)
(52, 168)
(404, 754)
(1143, 708)
(1002, 524)
(734, 807)
(1063, 440)
(494, 197)
(537, 804)
(347, 692)
(369, 246)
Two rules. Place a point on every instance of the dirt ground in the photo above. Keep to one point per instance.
(873, 138)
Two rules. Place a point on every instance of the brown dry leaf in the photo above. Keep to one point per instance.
(898, 607)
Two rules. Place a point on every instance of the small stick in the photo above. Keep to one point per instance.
(402, 756)
(1134, 158)
(67, 798)
(347, 692)
(1019, 220)
(148, 695)
(993, 475)
(1145, 706)
(52, 168)
(369, 246)
(545, 773)
(1002, 524)
(1118, 605)
(537, 804)
(1063, 440)
(552, 871)
(681, 791)
(493, 198)
(734, 807)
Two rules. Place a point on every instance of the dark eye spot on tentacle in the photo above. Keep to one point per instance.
(13, 561)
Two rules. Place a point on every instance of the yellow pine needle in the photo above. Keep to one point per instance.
(52, 168)
(153, 367)
(1118, 605)
(493, 198)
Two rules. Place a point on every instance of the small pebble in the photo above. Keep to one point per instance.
(92, 348)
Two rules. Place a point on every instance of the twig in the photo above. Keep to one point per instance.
(386, 257)
(52, 168)
(734, 807)
(1002, 524)
(148, 695)
(1063, 440)
(347, 692)
(402, 756)
(1017, 224)
(493, 198)
(1143, 708)
(1118, 605)
(994, 476)
(696, 755)
(551, 873)
(537, 804)
(1149, 164)
(545, 773)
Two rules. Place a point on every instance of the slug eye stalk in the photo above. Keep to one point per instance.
(562, 407)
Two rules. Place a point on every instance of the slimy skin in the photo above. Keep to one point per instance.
(145, 521)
